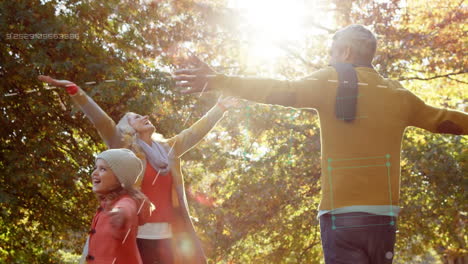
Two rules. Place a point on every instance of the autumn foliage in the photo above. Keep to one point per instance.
(252, 184)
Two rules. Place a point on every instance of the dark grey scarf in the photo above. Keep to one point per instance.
(347, 93)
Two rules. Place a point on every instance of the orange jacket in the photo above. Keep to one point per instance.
(111, 245)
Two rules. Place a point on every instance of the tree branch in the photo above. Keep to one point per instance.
(317, 25)
(297, 56)
(433, 77)
(312, 244)
(460, 81)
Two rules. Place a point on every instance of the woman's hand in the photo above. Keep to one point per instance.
(229, 102)
(54, 82)
(70, 87)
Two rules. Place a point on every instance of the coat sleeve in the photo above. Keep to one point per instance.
(128, 208)
(101, 121)
(434, 119)
(305, 93)
(191, 136)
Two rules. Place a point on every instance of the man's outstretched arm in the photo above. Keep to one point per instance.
(434, 119)
(307, 93)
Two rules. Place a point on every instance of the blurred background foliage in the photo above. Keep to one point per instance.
(253, 182)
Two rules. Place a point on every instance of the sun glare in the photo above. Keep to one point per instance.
(276, 19)
(268, 24)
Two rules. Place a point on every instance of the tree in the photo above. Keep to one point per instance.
(253, 184)
(419, 46)
(47, 145)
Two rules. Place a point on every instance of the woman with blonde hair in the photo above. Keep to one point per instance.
(169, 236)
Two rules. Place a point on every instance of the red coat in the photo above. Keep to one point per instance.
(110, 245)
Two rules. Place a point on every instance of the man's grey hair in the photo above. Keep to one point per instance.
(361, 41)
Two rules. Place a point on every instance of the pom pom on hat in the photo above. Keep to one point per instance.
(126, 166)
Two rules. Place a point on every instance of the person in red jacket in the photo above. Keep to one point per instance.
(168, 236)
(112, 236)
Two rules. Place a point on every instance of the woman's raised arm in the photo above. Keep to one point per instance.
(101, 121)
(191, 136)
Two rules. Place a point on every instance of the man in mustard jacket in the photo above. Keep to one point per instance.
(362, 120)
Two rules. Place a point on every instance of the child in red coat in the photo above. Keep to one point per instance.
(112, 236)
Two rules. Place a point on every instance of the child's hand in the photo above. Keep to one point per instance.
(117, 218)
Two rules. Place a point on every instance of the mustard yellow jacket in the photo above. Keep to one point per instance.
(360, 159)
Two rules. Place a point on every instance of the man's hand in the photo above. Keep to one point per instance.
(194, 80)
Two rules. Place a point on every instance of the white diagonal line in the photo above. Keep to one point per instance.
(155, 178)
(128, 232)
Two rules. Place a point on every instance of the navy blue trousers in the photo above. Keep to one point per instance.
(156, 251)
(358, 238)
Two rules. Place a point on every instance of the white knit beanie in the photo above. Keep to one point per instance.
(126, 166)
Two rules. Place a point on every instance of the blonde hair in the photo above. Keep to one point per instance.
(129, 135)
(140, 198)
(136, 194)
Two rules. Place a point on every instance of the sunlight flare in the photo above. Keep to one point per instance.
(269, 26)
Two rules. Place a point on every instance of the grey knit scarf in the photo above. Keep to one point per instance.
(156, 156)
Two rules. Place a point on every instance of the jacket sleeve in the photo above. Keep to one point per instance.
(434, 119)
(128, 208)
(191, 136)
(305, 93)
(101, 121)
